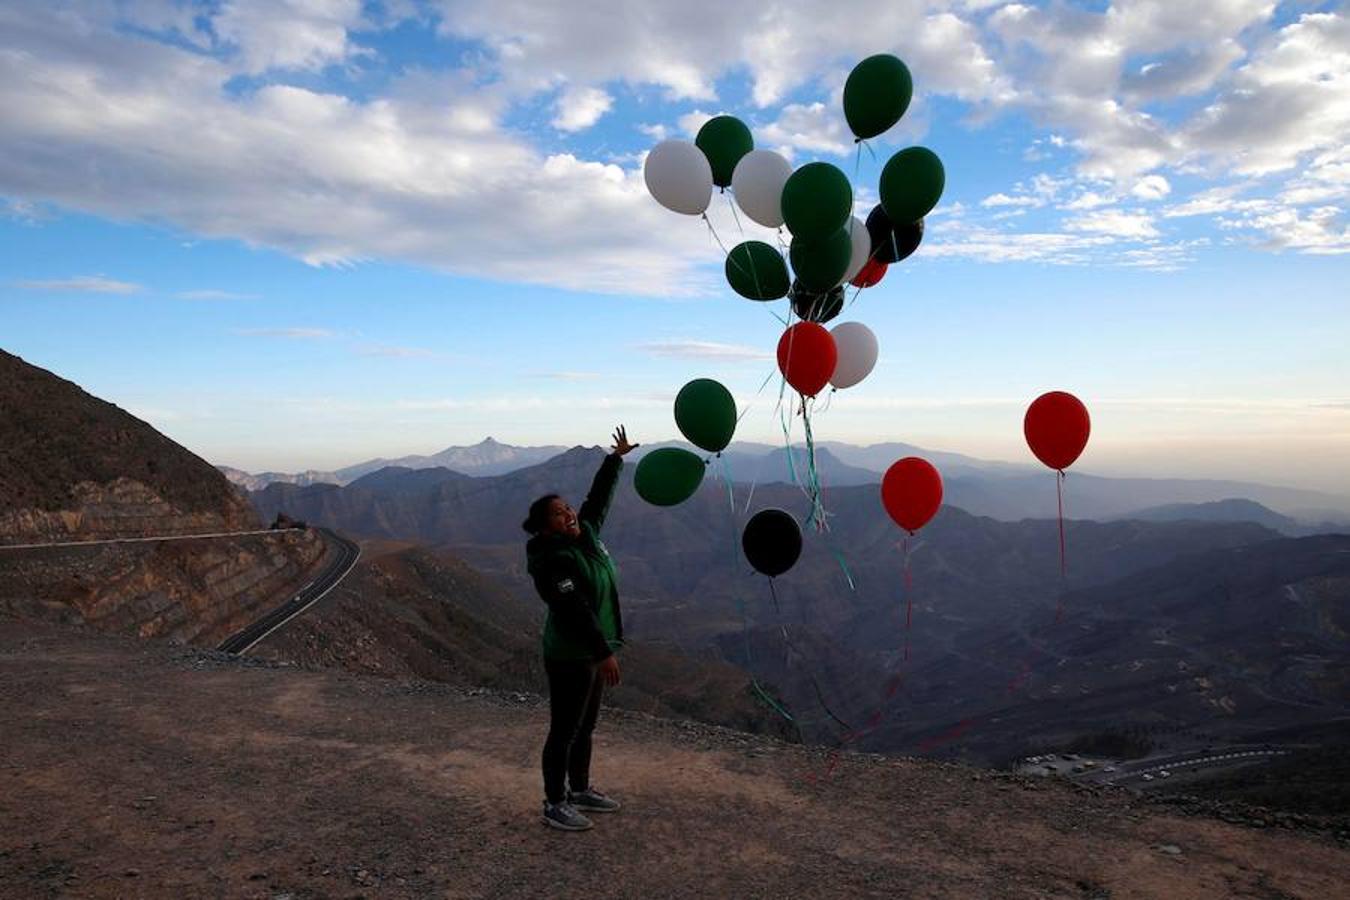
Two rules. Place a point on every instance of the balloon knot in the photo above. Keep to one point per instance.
(857, 140)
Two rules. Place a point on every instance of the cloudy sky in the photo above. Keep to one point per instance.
(301, 233)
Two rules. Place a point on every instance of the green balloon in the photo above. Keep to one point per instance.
(821, 264)
(911, 184)
(757, 271)
(724, 140)
(706, 414)
(668, 476)
(817, 200)
(877, 94)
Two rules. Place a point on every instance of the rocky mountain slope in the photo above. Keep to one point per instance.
(409, 612)
(143, 769)
(74, 466)
(198, 591)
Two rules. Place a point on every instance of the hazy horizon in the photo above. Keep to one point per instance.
(1099, 464)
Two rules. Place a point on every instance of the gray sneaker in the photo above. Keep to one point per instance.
(592, 800)
(565, 816)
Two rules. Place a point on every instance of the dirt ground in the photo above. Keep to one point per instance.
(147, 769)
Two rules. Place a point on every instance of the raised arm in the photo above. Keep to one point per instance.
(601, 494)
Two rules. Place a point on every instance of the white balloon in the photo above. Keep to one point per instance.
(679, 177)
(857, 347)
(862, 247)
(758, 183)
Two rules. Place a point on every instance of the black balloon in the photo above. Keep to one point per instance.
(891, 243)
(772, 541)
(813, 307)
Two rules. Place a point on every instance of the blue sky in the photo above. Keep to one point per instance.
(298, 235)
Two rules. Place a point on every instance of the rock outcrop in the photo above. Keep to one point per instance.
(194, 591)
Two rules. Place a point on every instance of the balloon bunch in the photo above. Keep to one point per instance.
(829, 246)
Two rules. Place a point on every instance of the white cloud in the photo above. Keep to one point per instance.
(1151, 187)
(685, 47)
(997, 200)
(288, 34)
(1131, 225)
(425, 174)
(1210, 202)
(1320, 231)
(298, 334)
(1290, 99)
(691, 122)
(704, 350)
(812, 127)
(581, 107)
(1190, 70)
(1089, 200)
(987, 245)
(423, 168)
(92, 284)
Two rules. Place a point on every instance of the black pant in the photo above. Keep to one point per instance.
(574, 690)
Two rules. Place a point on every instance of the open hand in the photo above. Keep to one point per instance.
(621, 445)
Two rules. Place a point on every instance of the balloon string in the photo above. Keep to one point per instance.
(792, 649)
(1063, 560)
(735, 215)
(909, 596)
(713, 232)
(751, 404)
(817, 506)
(750, 661)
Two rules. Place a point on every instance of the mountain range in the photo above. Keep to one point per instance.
(1002, 490)
(488, 457)
(986, 595)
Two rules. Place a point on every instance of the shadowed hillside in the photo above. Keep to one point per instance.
(411, 612)
(74, 466)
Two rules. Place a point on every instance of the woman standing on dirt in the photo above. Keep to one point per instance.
(574, 574)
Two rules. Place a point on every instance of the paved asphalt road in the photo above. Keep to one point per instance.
(348, 554)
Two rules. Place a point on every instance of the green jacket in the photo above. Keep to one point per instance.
(576, 578)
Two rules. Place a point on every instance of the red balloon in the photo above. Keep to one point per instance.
(807, 357)
(1057, 428)
(911, 491)
(872, 271)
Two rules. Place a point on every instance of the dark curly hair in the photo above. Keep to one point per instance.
(534, 523)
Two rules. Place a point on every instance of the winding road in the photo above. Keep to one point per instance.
(347, 556)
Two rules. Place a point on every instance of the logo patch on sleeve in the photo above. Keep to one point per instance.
(566, 586)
